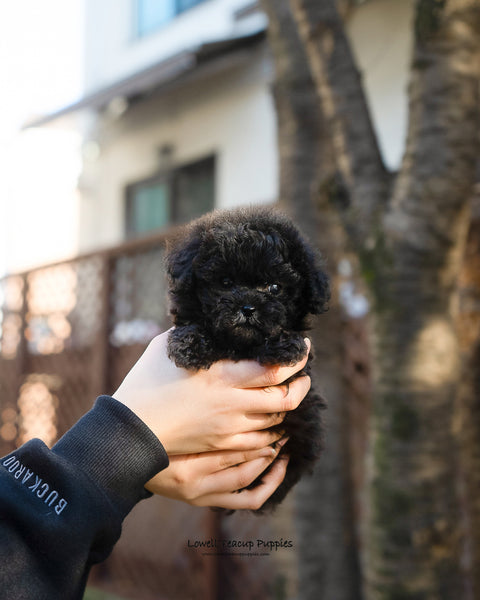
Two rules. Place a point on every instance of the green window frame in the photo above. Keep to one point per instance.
(170, 198)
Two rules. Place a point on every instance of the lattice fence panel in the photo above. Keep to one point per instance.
(12, 314)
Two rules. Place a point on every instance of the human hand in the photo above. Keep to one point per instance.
(230, 406)
(215, 478)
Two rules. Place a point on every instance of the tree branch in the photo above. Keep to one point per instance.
(344, 106)
(302, 140)
(438, 170)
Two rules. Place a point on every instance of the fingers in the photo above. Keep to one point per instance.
(239, 476)
(254, 440)
(194, 478)
(259, 421)
(250, 374)
(225, 460)
(208, 463)
(264, 410)
(249, 499)
(236, 478)
(278, 399)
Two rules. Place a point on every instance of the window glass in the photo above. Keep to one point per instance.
(194, 190)
(186, 4)
(152, 14)
(149, 207)
(168, 199)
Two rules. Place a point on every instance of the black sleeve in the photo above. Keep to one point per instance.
(61, 510)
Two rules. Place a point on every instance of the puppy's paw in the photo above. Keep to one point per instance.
(286, 350)
(189, 348)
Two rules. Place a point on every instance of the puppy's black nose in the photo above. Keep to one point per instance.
(248, 310)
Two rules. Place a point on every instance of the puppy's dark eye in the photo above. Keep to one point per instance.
(274, 289)
(226, 282)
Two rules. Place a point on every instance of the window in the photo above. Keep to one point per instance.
(153, 14)
(170, 198)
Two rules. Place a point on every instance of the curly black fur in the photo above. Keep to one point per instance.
(242, 285)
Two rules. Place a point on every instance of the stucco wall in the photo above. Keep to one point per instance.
(381, 36)
(231, 116)
(113, 52)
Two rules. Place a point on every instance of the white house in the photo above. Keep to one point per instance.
(176, 118)
(177, 115)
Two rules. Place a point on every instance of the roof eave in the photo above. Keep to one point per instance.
(159, 75)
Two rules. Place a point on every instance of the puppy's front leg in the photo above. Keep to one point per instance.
(190, 348)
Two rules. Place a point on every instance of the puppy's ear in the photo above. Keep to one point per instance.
(306, 261)
(180, 258)
(318, 291)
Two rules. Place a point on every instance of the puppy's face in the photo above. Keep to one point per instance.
(244, 277)
(246, 288)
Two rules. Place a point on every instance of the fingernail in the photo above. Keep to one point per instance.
(308, 343)
(268, 452)
(283, 441)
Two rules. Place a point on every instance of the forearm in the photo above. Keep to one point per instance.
(61, 510)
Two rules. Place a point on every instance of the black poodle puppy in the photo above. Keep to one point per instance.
(242, 284)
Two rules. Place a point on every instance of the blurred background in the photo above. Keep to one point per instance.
(120, 120)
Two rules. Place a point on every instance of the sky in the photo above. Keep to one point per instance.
(41, 53)
(40, 57)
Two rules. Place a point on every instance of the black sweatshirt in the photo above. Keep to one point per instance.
(61, 510)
